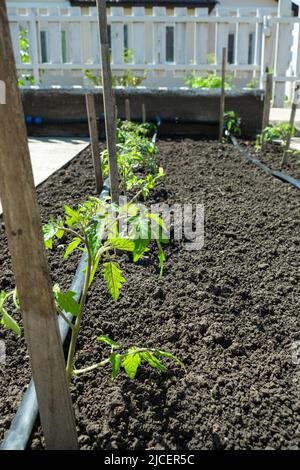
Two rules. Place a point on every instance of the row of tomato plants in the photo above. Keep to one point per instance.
(102, 230)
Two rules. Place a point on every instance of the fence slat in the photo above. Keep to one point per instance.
(159, 36)
(117, 37)
(201, 37)
(55, 38)
(26, 246)
(75, 37)
(180, 37)
(138, 37)
(221, 35)
(283, 50)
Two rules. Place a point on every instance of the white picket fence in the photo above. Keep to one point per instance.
(64, 43)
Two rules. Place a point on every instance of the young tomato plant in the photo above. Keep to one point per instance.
(232, 123)
(137, 154)
(279, 132)
(99, 230)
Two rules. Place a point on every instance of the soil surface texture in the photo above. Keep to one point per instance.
(230, 311)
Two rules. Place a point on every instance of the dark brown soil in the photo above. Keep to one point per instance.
(272, 156)
(230, 311)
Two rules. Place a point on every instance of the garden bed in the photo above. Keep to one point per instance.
(230, 311)
(272, 157)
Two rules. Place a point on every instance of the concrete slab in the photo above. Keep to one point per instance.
(49, 154)
(278, 115)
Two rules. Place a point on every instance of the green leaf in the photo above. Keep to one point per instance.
(49, 231)
(170, 356)
(115, 360)
(140, 247)
(10, 323)
(131, 363)
(72, 216)
(114, 278)
(153, 361)
(3, 297)
(124, 244)
(72, 246)
(161, 257)
(105, 339)
(158, 220)
(67, 303)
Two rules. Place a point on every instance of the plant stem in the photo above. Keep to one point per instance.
(91, 368)
(76, 329)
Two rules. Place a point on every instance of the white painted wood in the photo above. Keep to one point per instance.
(159, 36)
(95, 53)
(117, 37)
(15, 31)
(201, 37)
(75, 36)
(138, 36)
(221, 34)
(283, 51)
(55, 37)
(180, 37)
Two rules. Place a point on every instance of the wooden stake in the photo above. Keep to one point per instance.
(26, 246)
(93, 129)
(144, 113)
(222, 98)
(127, 110)
(292, 124)
(109, 102)
(268, 98)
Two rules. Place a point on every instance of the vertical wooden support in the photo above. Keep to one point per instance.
(93, 129)
(268, 98)
(222, 98)
(144, 118)
(292, 123)
(109, 102)
(26, 245)
(127, 110)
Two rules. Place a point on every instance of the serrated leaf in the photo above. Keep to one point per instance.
(67, 303)
(153, 361)
(114, 278)
(116, 361)
(71, 247)
(131, 363)
(105, 339)
(10, 323)
(124, 244)
(170, 356)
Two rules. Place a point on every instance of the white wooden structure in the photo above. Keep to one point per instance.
(166, 45)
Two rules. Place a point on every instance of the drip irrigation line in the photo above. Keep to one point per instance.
(277, 174)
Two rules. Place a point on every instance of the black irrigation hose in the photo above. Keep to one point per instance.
(21, 427)
(262, 166)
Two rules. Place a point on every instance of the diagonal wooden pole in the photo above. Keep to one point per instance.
(26, 246)
(93, 130)
(292, 124)
(109, 102)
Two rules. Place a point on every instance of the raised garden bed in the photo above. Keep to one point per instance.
(230, 311)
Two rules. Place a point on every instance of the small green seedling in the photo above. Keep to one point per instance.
(280, 132)
(94, 228)
(211, 80)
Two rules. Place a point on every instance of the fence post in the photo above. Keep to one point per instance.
(109, 102)
(282, 51)
(222, 98)
(292, 123)
(26, 246)
(268, 98)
